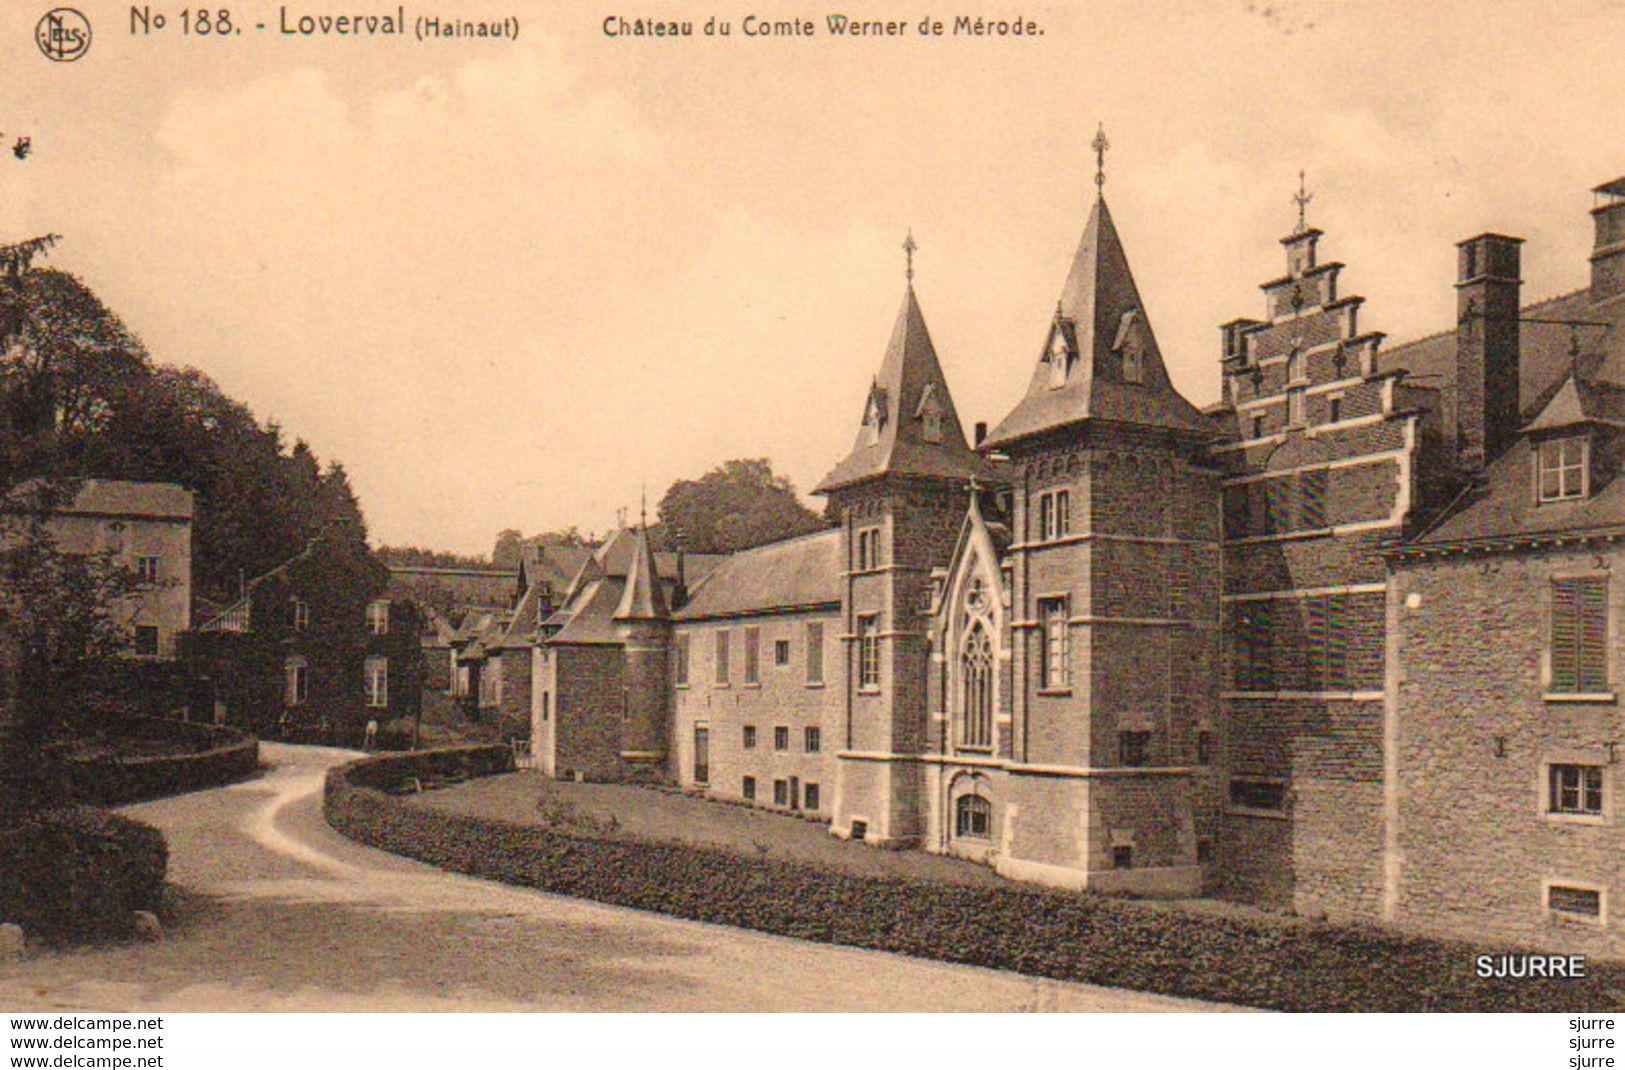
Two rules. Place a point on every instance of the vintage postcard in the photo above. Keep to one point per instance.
(554, 506)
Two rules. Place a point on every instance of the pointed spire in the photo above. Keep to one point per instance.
(644, 598)
(1100, 321)
(909, 423)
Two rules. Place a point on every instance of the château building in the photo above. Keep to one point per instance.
(1346, 642)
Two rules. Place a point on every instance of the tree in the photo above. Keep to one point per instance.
(508, 548)
(62, 620)
(735, 506)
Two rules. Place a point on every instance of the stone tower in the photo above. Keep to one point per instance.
(899, 495)
(643, 623)
(1113, 572)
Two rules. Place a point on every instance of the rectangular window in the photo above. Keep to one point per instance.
(377, 670)
(1562, 468)
(815, 653)
(753, 655)
(722, 657)
(547, 703)
(702, 754)
(868, 549)
(1334, 408)
(146, 640)
(748, 740)
(810, 799)
(1576, 789)
(298, 615)
(747, 788)
(1134, 748)
(781, 793)
(781, 652)
(1254, 655)
(1582, 902)
(1258, 794)
(1294, 407)
(146, 569)
(1054, 515)
(1204, 850)
(1312, 498)
(813, 739)
(296, 675)
(1204, 748)
(378, 618)
(1258, 425)
(1053, 662)
(781, 738)
(1277, 506)
(681, 669)
(1328, 642)
(1123, 856)
(869, 653)
(1579, 640)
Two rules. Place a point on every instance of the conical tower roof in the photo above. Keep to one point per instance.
(1101, 332)
(910, 426)
(643, 598)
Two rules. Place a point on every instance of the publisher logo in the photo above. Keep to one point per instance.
(63, 34)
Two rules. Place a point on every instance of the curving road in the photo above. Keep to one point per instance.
(276, 911)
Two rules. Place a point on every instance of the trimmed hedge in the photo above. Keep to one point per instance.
(218, 756)
(1291, 966)
(72, 875)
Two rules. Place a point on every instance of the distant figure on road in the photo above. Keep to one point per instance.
(372, 734)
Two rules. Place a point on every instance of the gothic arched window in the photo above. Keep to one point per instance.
(976, 676)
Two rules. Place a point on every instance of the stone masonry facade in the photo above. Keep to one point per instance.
(1345, 643)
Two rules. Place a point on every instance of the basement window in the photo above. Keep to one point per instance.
(1575, 902)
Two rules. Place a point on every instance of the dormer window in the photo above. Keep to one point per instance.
(1127, 343)
(929, 413)
(874, 413)
(1561, 469)
(1059, 357)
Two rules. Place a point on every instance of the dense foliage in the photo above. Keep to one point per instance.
(80, 396)
(72, 875)
(735, 506)
(1295, 966)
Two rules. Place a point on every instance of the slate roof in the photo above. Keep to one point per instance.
(593, 597)
(1100, 308)
(1544, 359)
(908, 372)
(644, 597)
(798, 572)
(1557, 389)
(115, 498)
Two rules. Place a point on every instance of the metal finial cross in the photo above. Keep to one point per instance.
(1302, 199)
(908, 251)
(1100, 145)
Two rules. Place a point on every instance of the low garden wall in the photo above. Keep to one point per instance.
(1292, 966)
(211, 756)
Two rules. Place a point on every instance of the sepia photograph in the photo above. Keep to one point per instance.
(549, 508)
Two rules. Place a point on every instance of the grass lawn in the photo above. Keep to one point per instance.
(620, 810)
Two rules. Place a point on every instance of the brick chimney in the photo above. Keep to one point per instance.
(1608, 251)
(1487, 295)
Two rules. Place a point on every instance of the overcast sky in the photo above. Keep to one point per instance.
(509, 284)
